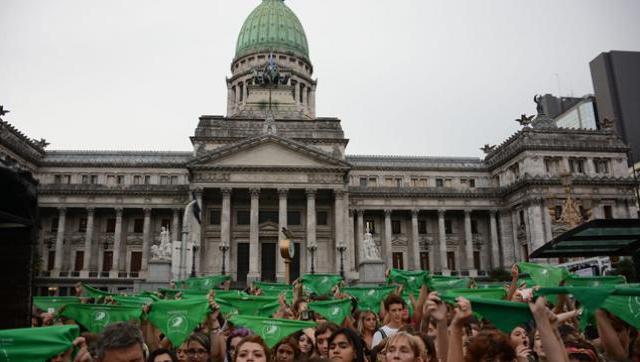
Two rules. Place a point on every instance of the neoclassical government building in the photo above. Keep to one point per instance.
(272, 163)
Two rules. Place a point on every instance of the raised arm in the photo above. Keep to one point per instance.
(437, 310)
(611, 343)
(551, 344)
(460, 316)
(514, 282)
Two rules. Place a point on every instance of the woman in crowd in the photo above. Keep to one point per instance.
(305, 343)
(198, 348)
(162, 355)
(403, 347)
(181, 352)
(367, 326)
(346, 346)
(232, 342)
(286, 350)
(251, 348)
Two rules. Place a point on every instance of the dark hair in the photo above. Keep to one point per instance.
(490, 345)
(253, 339)
(238, 332)
(119, 335)
(201, 338)
(291, 342)
(161, 351)
(394, 299)
(324, 327)
(430, 346)
(353, 338)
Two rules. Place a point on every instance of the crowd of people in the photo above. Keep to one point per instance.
(413, 322)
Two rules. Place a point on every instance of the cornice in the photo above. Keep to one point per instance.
(81, 189)
(269, 168)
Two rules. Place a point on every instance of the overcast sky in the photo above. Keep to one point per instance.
(406, 77)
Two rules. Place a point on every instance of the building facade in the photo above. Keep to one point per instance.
(272, 163)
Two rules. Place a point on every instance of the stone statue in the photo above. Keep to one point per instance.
(487, 148)
(270, 75)
(524, 120)
(162, 251)
(369, 248)
(537, 99)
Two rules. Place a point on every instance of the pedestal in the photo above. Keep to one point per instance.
(473, 273)
(372, 272)
(158, 276)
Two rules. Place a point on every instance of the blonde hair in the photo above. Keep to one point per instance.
(360, 324)
(413, 341)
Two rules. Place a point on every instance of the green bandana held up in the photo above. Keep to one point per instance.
(320, 284)
(333, 310)
(441, 283)
(206, 282)
(95, 317)
(369, 298)
(36, 344)
(92, 292)
(578, 281)
(411, 279)
(493, 293)
(503, 314)
(272, 330)
(53, 304)
(178, 318)
(248, 305)
(543, 275)
(625, 304)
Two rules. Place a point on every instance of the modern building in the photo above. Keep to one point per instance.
(616, 82)
(272, 162)
(571, 112)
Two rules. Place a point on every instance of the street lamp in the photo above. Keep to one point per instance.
(312, 249)
(342, 247)
(223, 248)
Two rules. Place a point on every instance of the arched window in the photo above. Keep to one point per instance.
(301, 92)
(241, 90)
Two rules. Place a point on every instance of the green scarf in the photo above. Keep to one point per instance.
(412, 280)
(272, 330)
(95, 317)
(578, 281)
(625, 304)
(178, 318)
(36, 344)
(206, 282)
(441, 283)
(543, 275)
(484, 293)
(320, 284)
(248, 305)
(134, 301)
(369, 298)
(503, 314)
(92, 292)
(53, 304)
(333, 310)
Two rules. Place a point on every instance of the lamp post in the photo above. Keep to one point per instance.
(312, 249)
(342, 247)
(223, 248)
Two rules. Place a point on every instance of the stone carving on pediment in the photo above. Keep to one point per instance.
(269, 226)
(212, 177)
(134, 240)
(109, 238)
(477, 239)
(400, 241)
(75, 238)
(325, 178)
(452, 240)
(424, 242)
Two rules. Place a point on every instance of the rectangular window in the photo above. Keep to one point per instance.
(94, 179)
(82, 224)
(51, 259)
(422, 226)
(111, 225)
(293, 218)
(576, 165)
(54, 224)
(164, 180)
(78, 264)
(448, 226)
(322, 218)
(474, 226)
(601, 165)
(398, 260)
(107, 260)
(608, 212)
(521, 216)
(398, 182)
(136, 261)
(243, 217)
(85, 179)
(138, 226)
(214, 217)
(111, 180)
(557, 212)
(137, 180)
(389, 182)
(439, 182)
(472, 183)
(476, 260)
(57, 179)
(424, 260)
(370, 225)
(396, 227)
(268, 216)
(451, 260)
(174, 180)
(515, 170)
(66, 179)
(147, 180)
(373, 182)
(363, 182)
(414, 182)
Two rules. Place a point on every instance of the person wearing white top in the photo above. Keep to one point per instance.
(394, 306)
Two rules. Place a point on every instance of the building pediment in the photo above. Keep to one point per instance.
(267, 151)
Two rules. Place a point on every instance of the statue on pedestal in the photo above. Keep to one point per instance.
(163, 250)
(369, 248)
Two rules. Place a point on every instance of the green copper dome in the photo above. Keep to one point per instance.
(272, 26)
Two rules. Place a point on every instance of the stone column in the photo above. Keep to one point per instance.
(117, 241)
(175, 225)
(548, 232)
(88, 241)
(468, 238)
(311, 227)
(225, 227)
(353, 252)
(196, 232)
(535, 224)
(360, 231)
(146, 238)
(254, 246)
(442, 238)
(495, 249)
(505, 238)
(348, 254)
(339, 233)
(57, 265)
(414, 248)
(282, 223)
(517, 250)
(388, 248)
